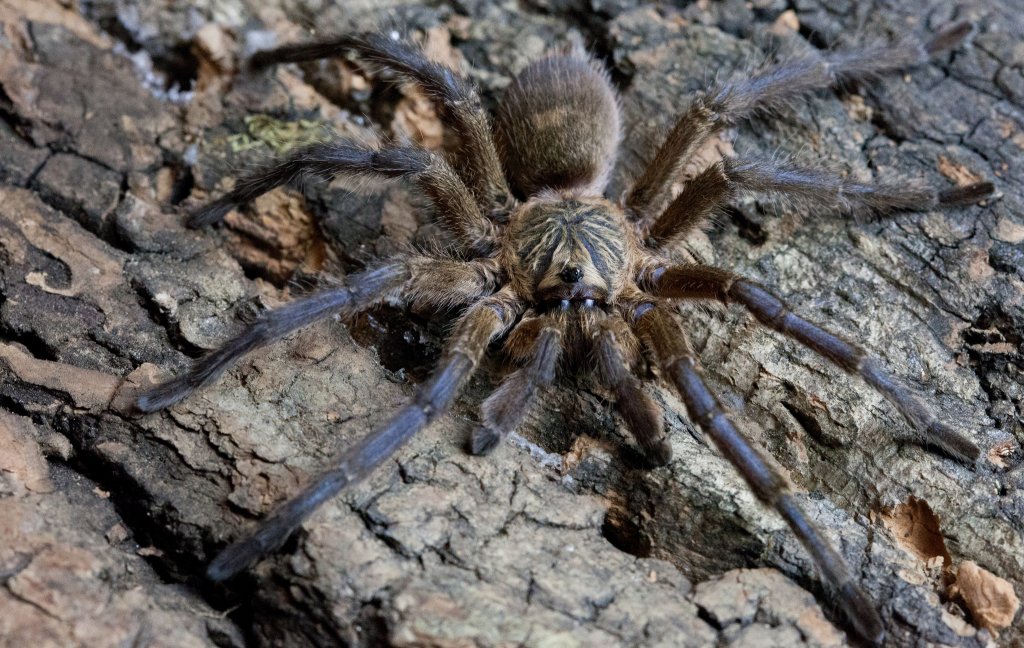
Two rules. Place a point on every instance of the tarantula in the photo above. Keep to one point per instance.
(567, 277)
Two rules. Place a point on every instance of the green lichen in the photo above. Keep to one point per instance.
(281, 136)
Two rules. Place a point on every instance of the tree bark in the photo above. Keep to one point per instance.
(562, 537)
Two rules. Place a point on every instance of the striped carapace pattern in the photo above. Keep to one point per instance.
(568, 249)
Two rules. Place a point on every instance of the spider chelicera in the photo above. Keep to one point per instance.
(568, 278)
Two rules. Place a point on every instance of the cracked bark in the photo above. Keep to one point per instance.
(560, 538)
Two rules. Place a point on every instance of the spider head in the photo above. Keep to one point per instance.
(567, 251)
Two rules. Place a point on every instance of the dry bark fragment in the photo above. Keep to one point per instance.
(991, 600)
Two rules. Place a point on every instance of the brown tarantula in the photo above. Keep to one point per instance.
(568, 277)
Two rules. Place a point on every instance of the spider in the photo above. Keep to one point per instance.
(567, 278)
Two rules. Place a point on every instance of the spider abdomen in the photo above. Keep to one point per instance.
(558, 126)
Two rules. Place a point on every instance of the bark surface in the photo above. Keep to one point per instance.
(115, 116)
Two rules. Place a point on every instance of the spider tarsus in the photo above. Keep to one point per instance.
(209, 214)
(262, 60)
(862, 613)
(162, 396)
(858, 607)
(952, 443)
(966, 195)
(484, 441)
(658, 453)
(228, 563)
(270, 536)
(301, 52)
(948, 37)
(644, 419)
(931, 433)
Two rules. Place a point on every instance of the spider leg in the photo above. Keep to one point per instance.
(612, 345)
(826, 190)
(458, 101)
(812, 188)
(772, 88)
(667, 341)
(416, 280)
(700, 197)
(455, 206)
(706, 282)
(540, 341)
(482, 322)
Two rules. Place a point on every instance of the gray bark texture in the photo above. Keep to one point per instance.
(116, 114)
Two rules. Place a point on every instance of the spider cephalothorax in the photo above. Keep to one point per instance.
(567, 249)
(569, 278)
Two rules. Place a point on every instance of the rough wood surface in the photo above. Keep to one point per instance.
(112, 117)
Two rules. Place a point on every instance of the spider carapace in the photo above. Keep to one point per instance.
(569, 252)
(569, 278)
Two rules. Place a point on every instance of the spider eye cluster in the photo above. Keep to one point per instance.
(571, 274)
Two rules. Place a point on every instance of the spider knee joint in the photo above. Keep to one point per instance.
(641, 310)
(438, 392)
(502, 309)
(763, 305)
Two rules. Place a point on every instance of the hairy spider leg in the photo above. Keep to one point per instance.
(811, 188)
(690, 209)
(455, 207)
(271, 326)
(537, 341)
(482, 323)
(415, 280)
(642, 415)
(668, 343)
(459, 104)
(825, 190)
(772, 88)
(695, 281)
